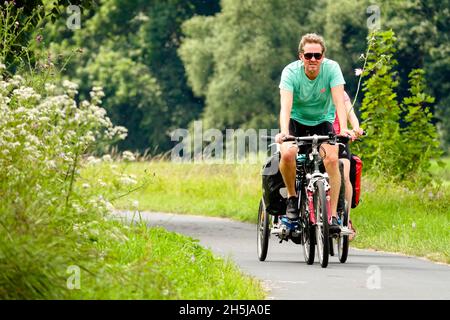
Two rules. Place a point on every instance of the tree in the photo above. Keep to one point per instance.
(422, 31)
(144, 36)
(419, 137)
(133, 97)
(19, 19)
(389, 150)
(422, 28)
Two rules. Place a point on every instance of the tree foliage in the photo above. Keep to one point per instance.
(390, 150)
(222, 64)
(131, 46)
(380, 112)
(419, 137)
(423, 30)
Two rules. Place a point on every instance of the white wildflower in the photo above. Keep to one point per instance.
(85, 104)
(107, 158)
(127, 181)
(50, 88)
(70, 85)
(102, 183)
(91, 160)
(71, 88)
(128, 156)
(51, 164)
(26, 93)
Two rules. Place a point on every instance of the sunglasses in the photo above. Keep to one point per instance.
(309, 55)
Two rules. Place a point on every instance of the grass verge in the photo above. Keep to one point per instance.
(152, 263)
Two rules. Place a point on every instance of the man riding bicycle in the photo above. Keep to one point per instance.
(311, 92)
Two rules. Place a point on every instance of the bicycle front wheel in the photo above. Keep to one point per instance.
(308, 235)
(322, 227)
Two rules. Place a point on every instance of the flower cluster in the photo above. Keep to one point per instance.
(44, 133)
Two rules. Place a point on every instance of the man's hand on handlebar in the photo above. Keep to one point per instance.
(279, 138)
(350, 133)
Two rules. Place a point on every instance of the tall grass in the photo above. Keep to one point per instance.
(157, 264)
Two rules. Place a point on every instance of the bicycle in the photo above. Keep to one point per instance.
(312, 227)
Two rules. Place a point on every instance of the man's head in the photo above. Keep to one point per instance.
(311, 51)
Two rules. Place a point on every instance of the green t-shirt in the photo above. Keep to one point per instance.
(313, 103)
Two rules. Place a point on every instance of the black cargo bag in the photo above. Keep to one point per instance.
(272, 182)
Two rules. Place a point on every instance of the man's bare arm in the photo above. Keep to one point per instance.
(286, 100)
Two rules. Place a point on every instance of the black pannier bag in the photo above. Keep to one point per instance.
(272, 182)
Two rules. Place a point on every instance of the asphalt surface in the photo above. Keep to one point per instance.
(366, 275)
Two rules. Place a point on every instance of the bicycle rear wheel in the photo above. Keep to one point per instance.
(343, 241)
(263, 231)
(322, 227)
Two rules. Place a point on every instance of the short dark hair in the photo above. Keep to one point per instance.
(311, 38)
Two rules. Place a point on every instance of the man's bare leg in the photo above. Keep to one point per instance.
(288, 166)
(331, 162)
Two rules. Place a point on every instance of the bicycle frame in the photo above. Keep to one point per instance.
(312, 178)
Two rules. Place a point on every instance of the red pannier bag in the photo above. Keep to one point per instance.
(355, 178)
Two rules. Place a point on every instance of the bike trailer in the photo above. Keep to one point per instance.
(272, 182)
(355, 178)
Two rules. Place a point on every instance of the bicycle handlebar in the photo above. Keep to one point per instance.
(331, 137)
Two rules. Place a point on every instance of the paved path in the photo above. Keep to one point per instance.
(365, 275)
